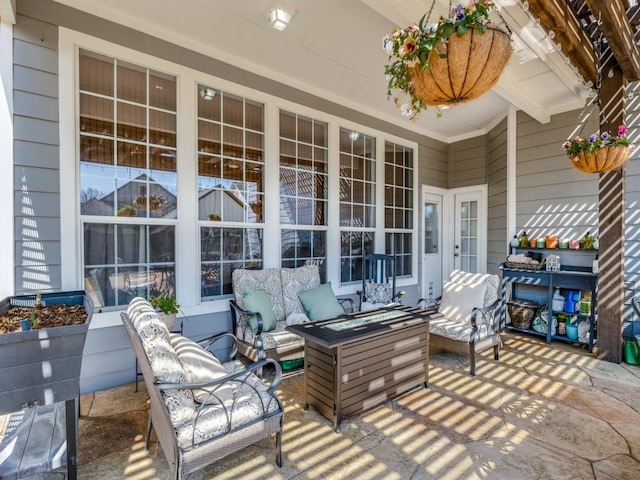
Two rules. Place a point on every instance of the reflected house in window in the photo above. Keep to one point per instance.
(140, 197)
(223, 203)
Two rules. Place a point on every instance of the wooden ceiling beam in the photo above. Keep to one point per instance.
(616, 28)
(556, 16)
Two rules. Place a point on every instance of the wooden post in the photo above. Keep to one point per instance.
(611, 208)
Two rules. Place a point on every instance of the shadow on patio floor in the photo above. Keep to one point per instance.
(542, 411)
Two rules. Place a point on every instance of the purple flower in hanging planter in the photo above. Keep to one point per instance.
(592, 138)
(457, 13)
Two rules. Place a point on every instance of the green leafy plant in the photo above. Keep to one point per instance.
(33, 319)
(164, 303)
(416, 44)
(214, 217)
(127, 211)
(593, 142)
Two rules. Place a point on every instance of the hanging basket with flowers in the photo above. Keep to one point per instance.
(599, 153)
(453, 61)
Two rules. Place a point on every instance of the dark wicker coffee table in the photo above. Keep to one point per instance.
(357, 361)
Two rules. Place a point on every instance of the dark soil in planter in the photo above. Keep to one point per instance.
(51, 316)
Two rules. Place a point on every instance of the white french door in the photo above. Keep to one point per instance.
(432, 222)
(454, 234)
(470, 230)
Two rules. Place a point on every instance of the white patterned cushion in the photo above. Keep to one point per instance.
(167, 368)
(296, 280)
(181, 406)
(248, 404)
(267, 279)
(378, 292)
(280, 340)
(459, 300)
(492, 283)
(200, 365)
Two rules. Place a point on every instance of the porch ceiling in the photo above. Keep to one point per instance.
(333, 49)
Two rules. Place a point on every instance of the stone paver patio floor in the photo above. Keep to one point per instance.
(541, 412)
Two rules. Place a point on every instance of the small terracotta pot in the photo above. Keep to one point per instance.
(533, 242)
(551, 241)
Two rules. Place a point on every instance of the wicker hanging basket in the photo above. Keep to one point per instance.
(473, 64)
(603, 160)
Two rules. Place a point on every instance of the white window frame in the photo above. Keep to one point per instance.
(187, 226)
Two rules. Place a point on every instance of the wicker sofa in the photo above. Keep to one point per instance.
(282, 286)
(202, 409)
(464, 319)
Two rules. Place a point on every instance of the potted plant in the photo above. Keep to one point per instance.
(167, 308)
(214, 217)
(599, 153)
(256, 207)
(454, 60)
(127, 210)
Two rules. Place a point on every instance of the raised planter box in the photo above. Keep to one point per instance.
(41, 368)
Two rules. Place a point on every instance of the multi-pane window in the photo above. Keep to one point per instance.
(303, 191)
(230, 186)
(398, 205)
(128, 179)
(357, 201)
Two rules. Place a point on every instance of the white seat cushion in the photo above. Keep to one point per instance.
(492, 284)
(459, 300)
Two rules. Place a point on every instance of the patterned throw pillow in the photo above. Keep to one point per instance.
(378, 292)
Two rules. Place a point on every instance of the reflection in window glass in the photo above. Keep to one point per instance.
(353, 246)
(125, 261)
(357, 201)
(131, 173)
(230, 157)
(431, 229)
(230, 186)
(222, 250)
(303, 190)
(127, 138)
(398, 206)
(305, 247)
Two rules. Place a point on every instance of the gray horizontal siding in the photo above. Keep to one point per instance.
(551, 195)
(31, 154)
(496, 141)
(36, 161)
(468, 162)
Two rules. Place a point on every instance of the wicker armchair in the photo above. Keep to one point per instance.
(199, 420)
(464, 319)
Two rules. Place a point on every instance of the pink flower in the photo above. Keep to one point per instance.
(622, 131)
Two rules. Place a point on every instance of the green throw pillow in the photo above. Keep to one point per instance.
(320, 302)
(258, 301)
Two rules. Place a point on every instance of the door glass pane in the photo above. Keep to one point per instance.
(431, 233)
(468, 235)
